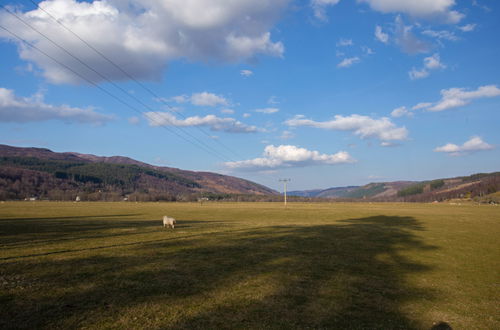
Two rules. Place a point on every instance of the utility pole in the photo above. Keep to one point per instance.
(285, 181)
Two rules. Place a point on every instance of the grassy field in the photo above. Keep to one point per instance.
(249, 265)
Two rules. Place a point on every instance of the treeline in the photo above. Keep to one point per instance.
(26, 177)
(122, 175)
(467, 188)
(69, 180)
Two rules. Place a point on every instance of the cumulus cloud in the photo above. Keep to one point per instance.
(284, 156)
(457, 97)
(400, 112)
(407, 41)
(347, 62)
(202, 99)
(208, 99)
(246, 73)
(418, 74)
(474, 144)
(228, 125)
(433, 62)
(267, 111)
(380, 35)
(421, 105)
(34, 109)
(440, 10)
(143, 36)
(319, 8)
(227, 111)
(430, 63)
(363, 126)
(467, 27)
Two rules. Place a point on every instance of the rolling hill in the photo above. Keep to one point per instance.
(42, 173)
(411, 191)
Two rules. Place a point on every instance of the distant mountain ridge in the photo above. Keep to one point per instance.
(39, 172)
(412, 191)
(43, 174)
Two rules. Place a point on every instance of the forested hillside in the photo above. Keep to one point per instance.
(476, 185)
(43, 174)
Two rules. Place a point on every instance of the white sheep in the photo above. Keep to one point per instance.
(168, 221)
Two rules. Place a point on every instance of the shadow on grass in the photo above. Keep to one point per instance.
(20, 231)
(347, 275)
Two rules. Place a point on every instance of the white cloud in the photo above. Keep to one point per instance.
(34, 109)
(457, 97)
(440, 10)
(227, 111)
(246, 73)
(389, 144)
(443, 34)
(468, 27)
(245, 46)
(406, 40)
(363, 126)
(208, 99)
(143, 36)
(344, 43)
(474, 144)
(400, 112)
(418, 74)
(267, 111)
(290, 156)
(421, 105)
(433, 62)
(347, 62)
(430, 63)
(200, 99)
(381, 36)
(319, 8)
(228, 125)
(180, 98)
(246, 115)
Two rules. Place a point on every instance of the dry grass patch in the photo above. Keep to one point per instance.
(248, 265)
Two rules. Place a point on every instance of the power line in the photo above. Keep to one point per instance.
(127, 74)
(104, 90)
(202, 144)
(112, 83)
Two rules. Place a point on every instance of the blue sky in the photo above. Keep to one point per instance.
(325, 92)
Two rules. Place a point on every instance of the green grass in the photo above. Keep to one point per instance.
(249, 265)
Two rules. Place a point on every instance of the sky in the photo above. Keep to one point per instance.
(327, 93)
